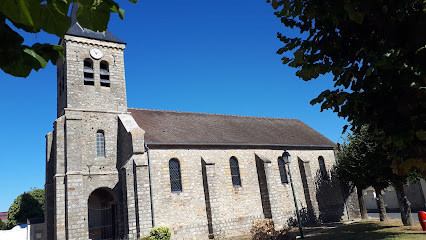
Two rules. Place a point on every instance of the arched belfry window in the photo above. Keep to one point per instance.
(175, 177)
(283, 171)
(104, 73)
(323, 169)
(89, 77)
(100, 144)
(235, 172)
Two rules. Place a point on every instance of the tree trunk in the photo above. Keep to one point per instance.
(381, 204)
(361, 203)
(404, 205)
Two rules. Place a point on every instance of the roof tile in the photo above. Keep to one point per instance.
(180, 128)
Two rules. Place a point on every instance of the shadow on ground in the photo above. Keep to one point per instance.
(369, 230)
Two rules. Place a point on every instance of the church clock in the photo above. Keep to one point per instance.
(96, 53)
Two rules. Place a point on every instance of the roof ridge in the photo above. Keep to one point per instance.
(217, 114)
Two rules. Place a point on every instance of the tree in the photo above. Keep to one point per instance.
(376, 53)
(27, 205)
(3, 225)
(398, 181)
(51, 16)
(363, 162)
(347, 169)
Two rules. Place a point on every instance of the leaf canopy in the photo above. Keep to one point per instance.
(375, 52)
(50, 16)
(362, 160)
(27, 205)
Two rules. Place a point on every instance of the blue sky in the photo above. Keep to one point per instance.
(199, 56)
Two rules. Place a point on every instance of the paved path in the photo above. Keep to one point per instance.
(394, 215)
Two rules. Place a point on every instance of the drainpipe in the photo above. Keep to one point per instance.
(150, 186)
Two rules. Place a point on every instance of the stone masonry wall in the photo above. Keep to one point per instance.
(49, 201)
(87, 97)
(281, 196)
(79, 171)
(232, 209)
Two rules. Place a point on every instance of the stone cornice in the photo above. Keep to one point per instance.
(94, 42)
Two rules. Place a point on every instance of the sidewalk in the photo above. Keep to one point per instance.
(394, 215)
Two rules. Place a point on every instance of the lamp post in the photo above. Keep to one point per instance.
(286, 159)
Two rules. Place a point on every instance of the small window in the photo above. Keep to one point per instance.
(100, 144)
(89, 78)
(323, 169)
(235, 172)
(175, 178)
(104, 74)
(283, 171)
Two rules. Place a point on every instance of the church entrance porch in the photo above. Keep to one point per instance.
(102, 214)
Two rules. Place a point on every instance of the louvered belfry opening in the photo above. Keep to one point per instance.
(104, 74)
(235, 172)
(102, 214)
(89, 74)
(175, 177)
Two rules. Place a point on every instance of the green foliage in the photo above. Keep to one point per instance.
(50, 16)
(145, 238)
(160, 233)
(3, 225)
(363, 162)
(27, 205)
(376, 52)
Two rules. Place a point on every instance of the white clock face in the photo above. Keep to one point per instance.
(96, 53)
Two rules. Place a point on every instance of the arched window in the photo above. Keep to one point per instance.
(175, 178)
(323, 169)
(100, 144)
(235, 172)
(104, 74)
(283, 171)
(89, 78)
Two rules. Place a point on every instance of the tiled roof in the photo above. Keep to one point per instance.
(187, 128)
(3, 216)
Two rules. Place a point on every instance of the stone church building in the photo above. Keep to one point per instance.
(114, 172)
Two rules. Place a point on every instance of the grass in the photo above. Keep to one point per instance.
(372, 230)
(364, 230)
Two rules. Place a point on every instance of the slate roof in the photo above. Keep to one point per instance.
(79, 31)
(187, 128)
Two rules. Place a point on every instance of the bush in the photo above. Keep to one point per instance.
(285, 234)
(262, 229)
(160, 233)
(145, 238)
(265, 230)
(3, 225)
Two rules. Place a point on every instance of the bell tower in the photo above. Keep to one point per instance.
(91, 76)
(82, 152)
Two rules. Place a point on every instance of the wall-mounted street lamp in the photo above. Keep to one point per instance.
(287, 160)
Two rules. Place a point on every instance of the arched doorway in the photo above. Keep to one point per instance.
(102, 214)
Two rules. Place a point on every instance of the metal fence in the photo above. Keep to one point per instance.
(102, 223)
